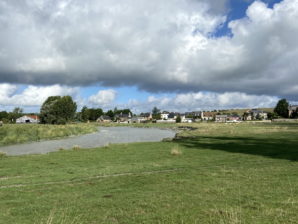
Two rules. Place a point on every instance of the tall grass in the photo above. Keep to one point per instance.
(20, 133)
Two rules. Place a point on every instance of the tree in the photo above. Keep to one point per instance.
(259, 117)
(295, 114)
(16, 113)
(111, 114)
(272, 115)
(156, 113)
(282, 108)
(178, 119)
(124, 111)
(58, 110)
(94, 114)
(3, 115)
(85, 113)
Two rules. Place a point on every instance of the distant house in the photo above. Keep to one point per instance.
(259, 114)
(186, 119)
(173, 116)
(208, 116)
(233, 118)
(247, 116)
(164, 115)
(255, 114)
(146, 116)
(221, 118)
(104, 119)
(27, 119)
(123, 118)
(193, 114)
(292, 109)
(139, 119)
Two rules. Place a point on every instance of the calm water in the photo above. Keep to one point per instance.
(104, 136)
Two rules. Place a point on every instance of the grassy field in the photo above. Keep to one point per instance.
(20, 133)
(218, 173)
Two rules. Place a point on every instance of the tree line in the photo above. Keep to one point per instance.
(62, 110)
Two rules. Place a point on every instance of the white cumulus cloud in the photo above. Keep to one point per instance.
(103, 98)
(32, 95)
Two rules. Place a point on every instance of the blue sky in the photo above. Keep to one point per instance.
(237, 10)
(177, 55)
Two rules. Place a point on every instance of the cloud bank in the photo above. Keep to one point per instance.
(156, 45)
(32, 97)
(203, 101)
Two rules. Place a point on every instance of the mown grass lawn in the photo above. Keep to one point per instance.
(244, 173)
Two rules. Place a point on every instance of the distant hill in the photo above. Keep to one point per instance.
(241, 111)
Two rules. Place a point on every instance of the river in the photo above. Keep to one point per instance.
(105, 135)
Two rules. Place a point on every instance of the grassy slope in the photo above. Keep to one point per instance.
(20, 133)
(226, 174)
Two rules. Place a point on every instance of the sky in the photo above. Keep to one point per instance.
(178, 55)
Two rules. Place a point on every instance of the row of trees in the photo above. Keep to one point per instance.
(10, 117)
(92, 114)
(60, 110)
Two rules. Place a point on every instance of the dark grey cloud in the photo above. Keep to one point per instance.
(155, 45)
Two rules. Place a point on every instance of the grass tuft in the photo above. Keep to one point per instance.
(107, 145)
(175, 151)
(76, 147)
(2, 155)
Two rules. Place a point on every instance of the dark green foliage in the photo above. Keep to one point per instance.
(58, 110)
(124, 111)
(156, 113)
(272, 115)
(84, 113)
(90, 114)
(94, 114)
(295, 114)
(16, 113)
(178, 119)
(3, 115)
(111, 114)
(282, 108)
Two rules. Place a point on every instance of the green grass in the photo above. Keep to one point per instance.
(20, 133)
(230, 173)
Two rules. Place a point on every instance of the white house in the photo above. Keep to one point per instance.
(34, 119)
(164, 115)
